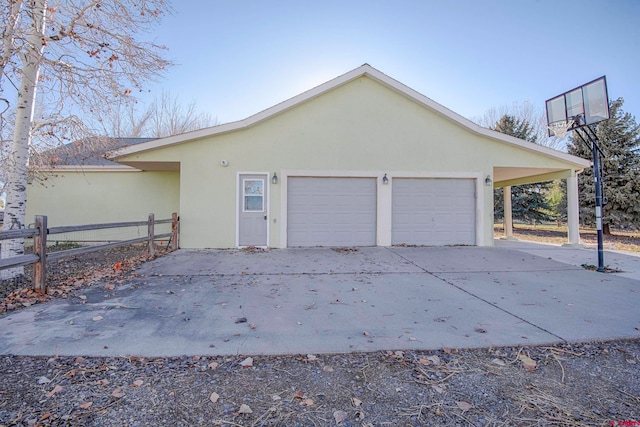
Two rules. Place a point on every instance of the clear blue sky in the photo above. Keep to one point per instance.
(236, 58)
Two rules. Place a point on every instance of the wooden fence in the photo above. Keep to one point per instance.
(40, 233)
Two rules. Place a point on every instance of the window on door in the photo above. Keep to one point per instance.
(253, 195)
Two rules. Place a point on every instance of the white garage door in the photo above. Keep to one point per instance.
(331, 211)
(433, 211)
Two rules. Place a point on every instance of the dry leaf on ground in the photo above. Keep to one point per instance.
(529, 363)
(247, 363)
(340, 416)
(214, 397)
(117, 392)
(45, 416)
(434, 359)
(306, 402)
(498, 362)
(464, 405)
(439, 388)
(244, 409)
(56, 389)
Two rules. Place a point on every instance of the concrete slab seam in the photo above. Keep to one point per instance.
(480, 298)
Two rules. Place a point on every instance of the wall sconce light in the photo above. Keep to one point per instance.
(488, 181)
(385, 180)
(274, 179)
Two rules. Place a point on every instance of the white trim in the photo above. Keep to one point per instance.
(267, 195)
(364, 70)
(384, 214)
(481, 219)
(384, 197)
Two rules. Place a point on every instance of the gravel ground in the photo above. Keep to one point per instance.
(571, 385)
(581, 384)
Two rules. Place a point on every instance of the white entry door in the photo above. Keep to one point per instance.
(252, 210)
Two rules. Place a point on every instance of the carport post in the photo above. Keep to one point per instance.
(573, 221)
(508, 213)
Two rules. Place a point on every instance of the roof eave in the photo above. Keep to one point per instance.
(86, 168)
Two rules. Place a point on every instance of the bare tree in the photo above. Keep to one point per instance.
(169, 117)
(81, 56)
(125, 120)
(164, 116)
(526, 113)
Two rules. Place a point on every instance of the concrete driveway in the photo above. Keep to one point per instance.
(209, 302)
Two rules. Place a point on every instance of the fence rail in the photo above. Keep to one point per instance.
(40, 233)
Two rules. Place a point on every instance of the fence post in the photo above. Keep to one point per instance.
(174, 231)
(150, 228)
(40, 249)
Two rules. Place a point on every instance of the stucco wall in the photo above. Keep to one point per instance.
(361, 128)
(74, 198)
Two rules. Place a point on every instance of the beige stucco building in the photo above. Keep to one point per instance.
(361, 160)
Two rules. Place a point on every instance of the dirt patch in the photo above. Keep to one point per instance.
(619, 239)
(66, 275)
(569, 385)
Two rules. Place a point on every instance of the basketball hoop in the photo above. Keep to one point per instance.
(559, 129)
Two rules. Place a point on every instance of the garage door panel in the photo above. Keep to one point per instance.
(429, 211)
(331, 211)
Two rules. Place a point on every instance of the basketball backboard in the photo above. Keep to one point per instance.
(584, 105)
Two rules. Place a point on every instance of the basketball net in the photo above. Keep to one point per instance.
(560, 129)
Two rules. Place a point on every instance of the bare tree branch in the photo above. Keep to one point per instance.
(525, 112)
(81, 57)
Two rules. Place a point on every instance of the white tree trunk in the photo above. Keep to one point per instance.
(14, 217)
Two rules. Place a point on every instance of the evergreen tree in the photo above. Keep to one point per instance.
(529, 201)
(619, 139)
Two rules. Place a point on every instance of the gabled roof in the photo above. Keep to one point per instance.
(364, 70)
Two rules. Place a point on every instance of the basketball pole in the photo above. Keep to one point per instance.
(597, 178)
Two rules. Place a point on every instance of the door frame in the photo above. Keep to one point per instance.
(267, 202)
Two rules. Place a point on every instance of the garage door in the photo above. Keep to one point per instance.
(433, 211)
(331, 211)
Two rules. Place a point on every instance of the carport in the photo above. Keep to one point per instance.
(506, 177)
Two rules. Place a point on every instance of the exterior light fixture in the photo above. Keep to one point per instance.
(488, 181)
(385, 180)
(274, 179)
